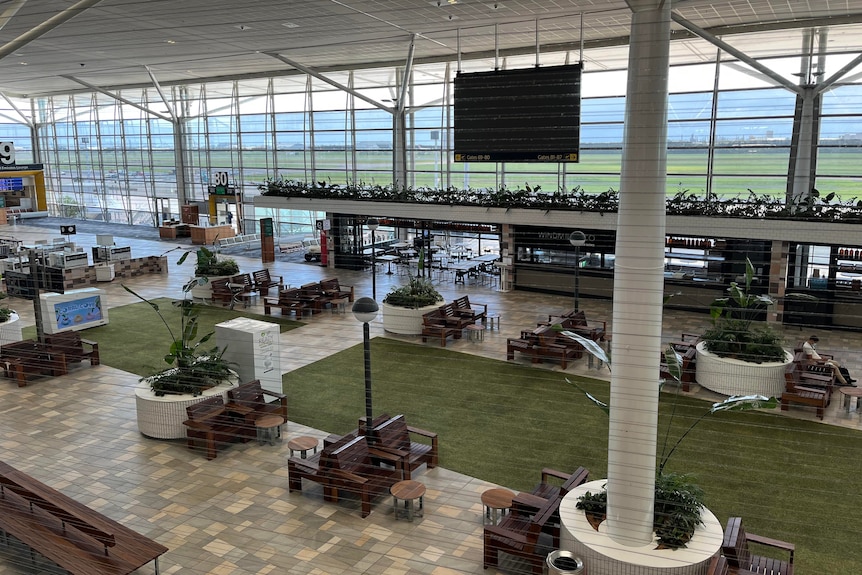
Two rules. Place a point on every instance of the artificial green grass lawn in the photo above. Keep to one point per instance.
(502, 422)
(136, 340)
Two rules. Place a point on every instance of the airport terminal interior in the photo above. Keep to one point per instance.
(716, 155)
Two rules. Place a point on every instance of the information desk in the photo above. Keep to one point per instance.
(174, 231)
(205, 235)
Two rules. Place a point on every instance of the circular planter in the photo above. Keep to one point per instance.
(405, 320)
(205, 291)
(10, 330)
(163, 417)
(736, 377)
(605, 556)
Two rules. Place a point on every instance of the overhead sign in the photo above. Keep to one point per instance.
(7, 153)
(323, 225)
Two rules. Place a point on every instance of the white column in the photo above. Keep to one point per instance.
(802, 168)
(639, 280)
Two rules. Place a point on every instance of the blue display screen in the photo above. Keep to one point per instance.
(11, 184)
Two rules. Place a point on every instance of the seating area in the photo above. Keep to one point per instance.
(264, 281)
(350, 465)
(740, 558)
(249, 400)
(543, 343)
(73, 347)
(798, 391)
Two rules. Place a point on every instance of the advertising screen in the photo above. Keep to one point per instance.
(78, 313)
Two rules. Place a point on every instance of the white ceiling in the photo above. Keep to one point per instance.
(112, 43)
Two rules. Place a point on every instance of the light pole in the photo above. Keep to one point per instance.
(365, 310)
(578, 240)
(372, 224)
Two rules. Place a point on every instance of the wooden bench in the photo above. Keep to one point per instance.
(393, 436)
(211, 421)
(78, 539)
(249, 401)
(264, 281)
(547, 489)
(688, 357)
(521, 345)
(334, 290)
(29, 357)
(434, 325)
(472, 311)
(313, 294)
(288, 301)
(735, 549)
(347, 465)
(518, 533)
(71, 345)
(452, 318)
(795, 391)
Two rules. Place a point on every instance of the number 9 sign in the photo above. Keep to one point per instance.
(7, 153)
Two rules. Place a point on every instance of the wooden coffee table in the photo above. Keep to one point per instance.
(302, 444)
(849, 392)
(497, 499)
(268, 428)
(408, 491)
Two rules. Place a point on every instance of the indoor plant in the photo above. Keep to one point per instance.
(208, 263)
(734, 332)
(192, 368)
(419, 292)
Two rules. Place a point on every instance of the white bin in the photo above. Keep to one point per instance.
(104, 272)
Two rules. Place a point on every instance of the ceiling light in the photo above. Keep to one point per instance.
(290, 25)
(170, 41)
(242, 27)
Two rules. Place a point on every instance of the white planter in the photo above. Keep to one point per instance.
(404, 320)
(10, 330)
(205, 291)
(736, 377)
(604, 556)
(163, 417)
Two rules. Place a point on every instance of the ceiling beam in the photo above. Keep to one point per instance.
(119, 98)
(46, 26)
(735, 53)
(162, 94)
(10, 11)
(14, 107)
(319, 76)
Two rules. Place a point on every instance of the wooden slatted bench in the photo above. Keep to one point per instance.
(78, 539)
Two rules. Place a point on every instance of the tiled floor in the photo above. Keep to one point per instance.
(234, 515)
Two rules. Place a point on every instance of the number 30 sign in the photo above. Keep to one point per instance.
(7, 153)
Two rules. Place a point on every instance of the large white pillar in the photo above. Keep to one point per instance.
(639, 280)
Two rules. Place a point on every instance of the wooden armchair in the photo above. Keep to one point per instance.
(688, 357)
(548, 347)
(452, 318)
(211, 422)
(518, 533)
(393, 436)
(817, 374)
(797, 392)
(249, 401)
(547, 487)
(335, 290)
(718, 566)
(472, 311)
(314, 296)
(594, 330)
(435, 326)
(221, 293)
(739, 556)
(243, 288)
(71, 345)
(263, 281)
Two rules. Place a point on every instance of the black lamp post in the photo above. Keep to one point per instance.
(372, 224)
(365, 310)
(578, 240)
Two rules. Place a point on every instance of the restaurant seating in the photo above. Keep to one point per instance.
(471, 310)
(435, 326)
(263, 281)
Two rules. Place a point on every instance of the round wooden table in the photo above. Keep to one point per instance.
(497, 499)
(408, 491)
(302, 444)
(849, 392)
(268, 428)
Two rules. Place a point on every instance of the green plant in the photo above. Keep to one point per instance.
(734, 332)
(595, 504)
(208, 263)
(676, 509)
(418, 292)
(192, 367)
(5, 313)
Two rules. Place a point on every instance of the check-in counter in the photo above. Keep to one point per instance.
(206, 235)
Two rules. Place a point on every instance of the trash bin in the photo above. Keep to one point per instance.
(564, 563)
(105, 272)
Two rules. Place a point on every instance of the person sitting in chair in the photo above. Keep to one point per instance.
(814, 358)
